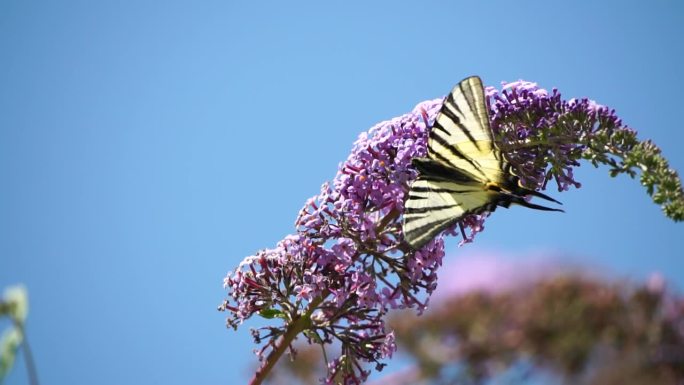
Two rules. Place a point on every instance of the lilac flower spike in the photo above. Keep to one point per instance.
(347, 264)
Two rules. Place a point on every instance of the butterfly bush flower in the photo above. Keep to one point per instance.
(346, 265)
(544, 137)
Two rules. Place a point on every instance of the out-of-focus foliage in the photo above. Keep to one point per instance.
(571, 328)
(14, 305)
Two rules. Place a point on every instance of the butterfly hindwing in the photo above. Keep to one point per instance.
(435, 204)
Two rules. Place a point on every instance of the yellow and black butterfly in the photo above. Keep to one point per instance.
(464, 172)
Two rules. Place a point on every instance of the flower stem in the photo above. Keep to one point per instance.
(30, 363)
(297, 326)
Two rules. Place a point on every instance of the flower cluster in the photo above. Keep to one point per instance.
(544, 137)
(347, 264)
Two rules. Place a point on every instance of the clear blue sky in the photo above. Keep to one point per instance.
(147, 147)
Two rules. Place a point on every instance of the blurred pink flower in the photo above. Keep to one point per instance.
(496, 272)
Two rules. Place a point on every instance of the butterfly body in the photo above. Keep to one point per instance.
(464, 172)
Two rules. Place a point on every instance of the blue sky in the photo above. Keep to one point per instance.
(147, 147)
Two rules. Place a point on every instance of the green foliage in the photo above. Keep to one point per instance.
(271, 313)
(625, 154)
(662, 182)
(15, 306)
(540, 131)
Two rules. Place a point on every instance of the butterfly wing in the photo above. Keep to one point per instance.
(461, 136)
(434, 204)
(461, 159)
(464, 172)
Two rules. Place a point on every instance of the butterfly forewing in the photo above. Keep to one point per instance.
(461, 136)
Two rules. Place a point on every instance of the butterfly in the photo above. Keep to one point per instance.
(464, 171)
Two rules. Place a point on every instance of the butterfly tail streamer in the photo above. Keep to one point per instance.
(516, 199)
(541, 195)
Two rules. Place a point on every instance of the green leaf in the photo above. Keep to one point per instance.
(271, 313)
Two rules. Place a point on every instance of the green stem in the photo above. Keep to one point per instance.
(30, 362)
(298, 325)
(387, 219)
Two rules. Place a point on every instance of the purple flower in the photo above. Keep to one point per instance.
(347, 265)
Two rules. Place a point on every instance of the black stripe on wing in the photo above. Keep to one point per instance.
(451, 115)
(439, 170)
(429, 209)
(453, 150)
(419, 236)
(440, 190)
(473, 92)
